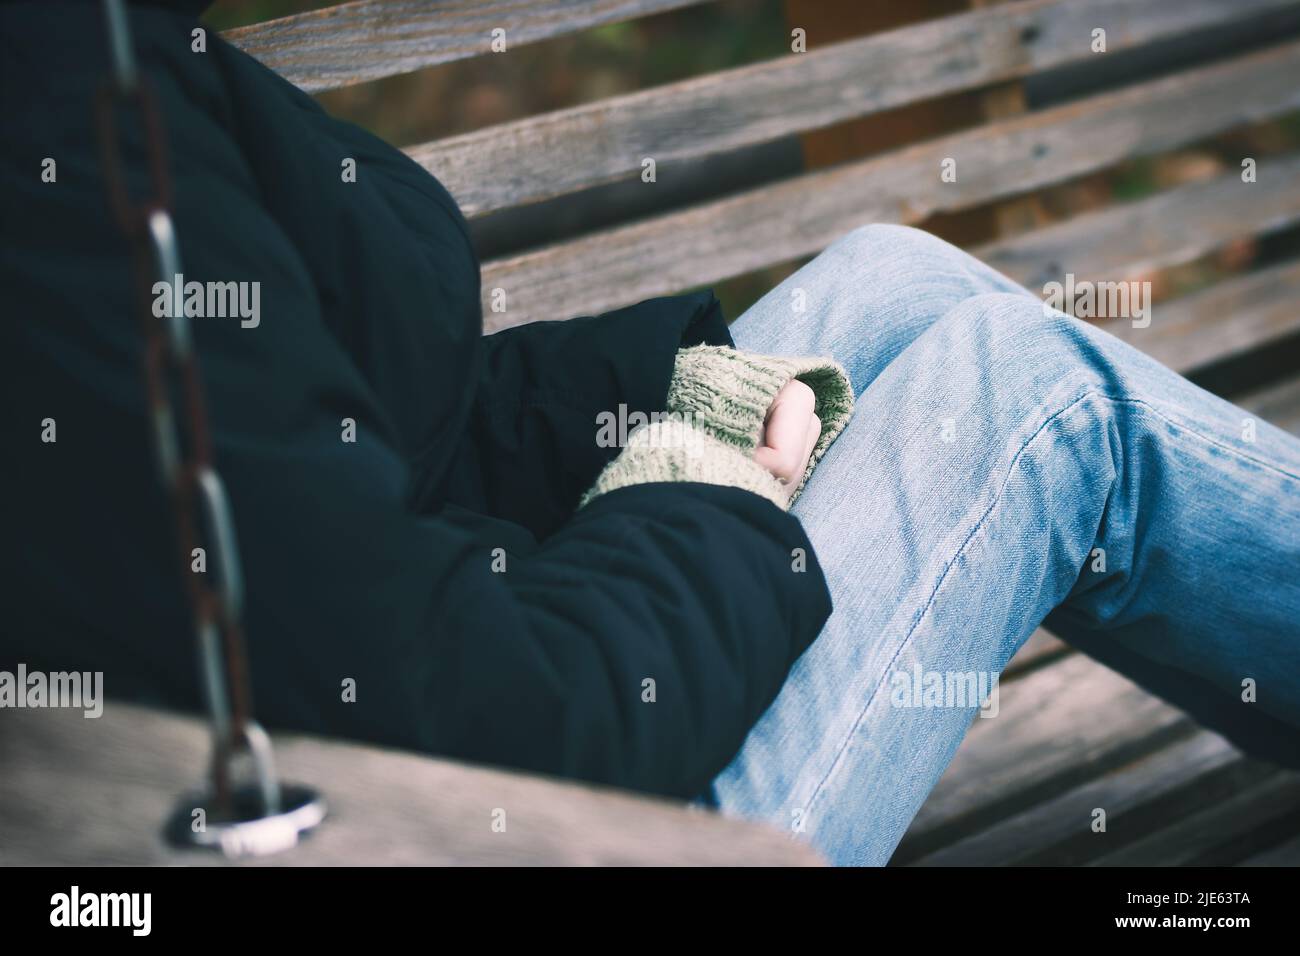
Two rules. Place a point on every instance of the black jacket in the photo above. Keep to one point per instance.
(370, 560)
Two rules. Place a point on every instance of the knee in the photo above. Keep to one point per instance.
(1004, 323)
(1002, 314)
(880, 285)
(887, 240)
(1018, 342)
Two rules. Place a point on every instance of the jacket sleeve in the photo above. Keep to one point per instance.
(556, 400)
(461, 634)
(529, 638)
(634, 646)
(638, 645)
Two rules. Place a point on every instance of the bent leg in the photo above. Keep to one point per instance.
(866, 298)
(982, 471)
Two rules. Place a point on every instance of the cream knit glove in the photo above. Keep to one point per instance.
(728, 392)
(717, 403)
(676, 450)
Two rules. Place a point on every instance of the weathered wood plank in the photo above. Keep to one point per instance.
(97, 792)
(1169, 228)
(1257, 817)
(1224, 320)
(1279, 404)
(1019, 213)
(1136, 798)
(1284, 854)
(369, 39)
(1057, 728)
(798, 217)
(1041, 647)
(561, 152)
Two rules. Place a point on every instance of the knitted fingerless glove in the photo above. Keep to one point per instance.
(717, 403)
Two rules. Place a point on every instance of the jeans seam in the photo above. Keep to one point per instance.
(943, 576)
(1183, 427)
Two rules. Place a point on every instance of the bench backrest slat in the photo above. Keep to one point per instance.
(561, 152)
(1222, 321)
(371, 39)
(798, 217)
(567, 151)
(1168, 228)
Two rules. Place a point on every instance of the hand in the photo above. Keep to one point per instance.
(790, 432)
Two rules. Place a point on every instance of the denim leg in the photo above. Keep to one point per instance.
(865, 298)
(996, 453)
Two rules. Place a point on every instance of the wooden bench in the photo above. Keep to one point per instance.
(1071, 736)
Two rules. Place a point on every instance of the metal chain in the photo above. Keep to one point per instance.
(199, 503)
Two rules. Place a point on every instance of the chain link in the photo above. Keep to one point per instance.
(199, 502)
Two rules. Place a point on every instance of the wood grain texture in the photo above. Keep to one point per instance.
(800, 216)
(1278, 404)
(1284, 854)
(1169, 228)
(1227, 319)
(561, 152)
(1041, 647)
(1137, 798)
(97, 792)
(1056, 728)
(1226, 830)
(1020, 213)
(369, 39)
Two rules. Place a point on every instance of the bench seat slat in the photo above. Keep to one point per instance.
(1056, 728)
(1226, 830)
(561, 152)
(369, 39)
(78, 791)
(800, 216)
(1284, 854)
(1042, 646)
(1135, 797)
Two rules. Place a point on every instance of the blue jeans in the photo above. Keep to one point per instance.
(1005, 466)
